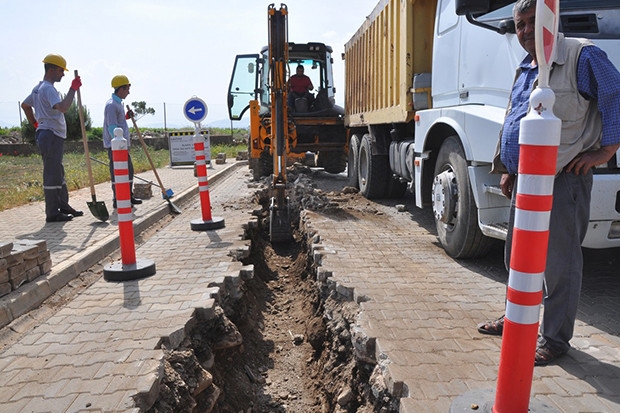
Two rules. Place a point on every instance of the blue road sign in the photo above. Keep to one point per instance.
(195, 109)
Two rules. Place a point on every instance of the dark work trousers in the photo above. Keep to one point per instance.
(568, 225)
(54, 185)
(130, 166)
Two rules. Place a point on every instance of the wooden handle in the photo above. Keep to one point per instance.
(84, 139)
(135, 125)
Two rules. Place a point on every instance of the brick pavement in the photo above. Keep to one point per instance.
(420, 308)
(100, 352)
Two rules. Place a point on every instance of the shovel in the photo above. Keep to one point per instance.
(173, 208)
(169, 192)
(97, 208)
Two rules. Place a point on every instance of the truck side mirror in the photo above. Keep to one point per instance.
(464, 7)
(471, 8)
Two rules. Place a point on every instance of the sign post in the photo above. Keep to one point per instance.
(195, 110)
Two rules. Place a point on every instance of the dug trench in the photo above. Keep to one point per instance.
(287, 343)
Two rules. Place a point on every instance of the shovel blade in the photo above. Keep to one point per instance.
(98, 209)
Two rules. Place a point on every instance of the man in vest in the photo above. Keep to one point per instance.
(587, 91)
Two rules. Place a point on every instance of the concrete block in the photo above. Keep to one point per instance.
(45, 267)
(44, 256)
(40, 244)
(30, 296)
(17, 275)
(5, 249)
(4, 276)
(29, 251)
(14, 258)
(142, 190)
(3, 264)
(30, 263)
(5, 288)
(33, 273)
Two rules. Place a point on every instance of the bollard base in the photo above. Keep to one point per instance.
(119, 272)
(481, 401)
(214, 223)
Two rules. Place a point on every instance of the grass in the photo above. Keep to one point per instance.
(22, 176)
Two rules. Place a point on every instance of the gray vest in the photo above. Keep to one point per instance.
(581, 119)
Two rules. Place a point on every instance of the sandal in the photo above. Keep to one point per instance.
(492, 328)
(546, 354)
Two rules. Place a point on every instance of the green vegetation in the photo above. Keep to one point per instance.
(22, 176)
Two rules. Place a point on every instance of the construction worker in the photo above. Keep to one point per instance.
(114, 116)
(45, 111)
(299, 86)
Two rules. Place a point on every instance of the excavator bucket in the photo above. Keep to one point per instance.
(279, 221)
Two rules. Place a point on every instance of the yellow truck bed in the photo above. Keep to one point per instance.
(394, 43)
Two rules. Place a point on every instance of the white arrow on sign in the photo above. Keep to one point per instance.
(194, 109)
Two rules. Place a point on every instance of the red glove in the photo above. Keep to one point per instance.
(36, 125)
(129, 114)
(76, 83)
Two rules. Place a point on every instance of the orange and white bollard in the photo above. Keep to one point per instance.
(538, 139)
(129, 268)
(208, 222)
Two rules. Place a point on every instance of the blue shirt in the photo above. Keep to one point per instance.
(114, 117)
(597, 79)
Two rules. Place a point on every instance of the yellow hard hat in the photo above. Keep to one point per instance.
(56, 60)
(119, 80)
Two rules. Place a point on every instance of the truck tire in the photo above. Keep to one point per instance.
(352, 161)
(332, 162)
(454, 207)
(373, 170)
(262, 166)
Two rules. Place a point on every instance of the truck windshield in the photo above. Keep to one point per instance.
(565, 5)
(583, 18)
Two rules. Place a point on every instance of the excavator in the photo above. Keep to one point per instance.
(279, 209)
(281, 133)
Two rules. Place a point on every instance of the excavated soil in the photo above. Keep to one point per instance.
(285, 345)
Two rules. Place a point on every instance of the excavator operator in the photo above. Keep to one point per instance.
(299, 87)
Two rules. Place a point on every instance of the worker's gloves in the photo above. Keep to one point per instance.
(129, 114)
(76, 83)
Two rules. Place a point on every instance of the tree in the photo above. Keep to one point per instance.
(140, 110)
(72, 118)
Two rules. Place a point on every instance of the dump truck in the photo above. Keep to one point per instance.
(426, 91)
(316, 125)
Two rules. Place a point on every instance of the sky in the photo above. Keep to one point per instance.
(170, 50)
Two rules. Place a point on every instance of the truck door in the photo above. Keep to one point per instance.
(243, 85)
(446, 56)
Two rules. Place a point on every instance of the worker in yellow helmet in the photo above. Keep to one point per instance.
(45, 109)
(114, 116)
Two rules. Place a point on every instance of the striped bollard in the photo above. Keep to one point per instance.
(207, 222)
(129, 268)
(539, 138)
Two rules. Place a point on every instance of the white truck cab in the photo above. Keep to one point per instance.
(439, 135)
